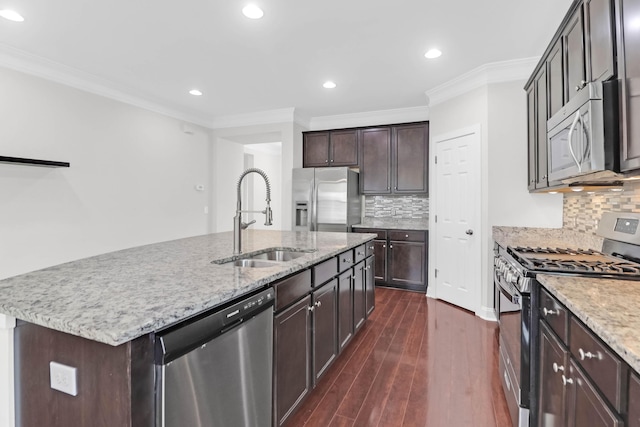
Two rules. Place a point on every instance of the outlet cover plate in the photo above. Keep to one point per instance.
(63, 378)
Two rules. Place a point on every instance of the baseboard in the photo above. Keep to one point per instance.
(487, 313)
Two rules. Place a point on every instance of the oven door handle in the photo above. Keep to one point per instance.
(570, 141)
(513, 298)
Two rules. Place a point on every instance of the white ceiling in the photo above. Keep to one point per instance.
(158, 50)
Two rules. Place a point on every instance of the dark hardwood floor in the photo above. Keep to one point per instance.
(417, 362)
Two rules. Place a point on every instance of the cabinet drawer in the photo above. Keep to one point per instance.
(345, 260)
(634, 401)
(554, 314)
(587, 407)
(410, 236)
(370, 246)
(292, 288)
(325, 271)
(605, 368)
(382, 234)
(360, 253)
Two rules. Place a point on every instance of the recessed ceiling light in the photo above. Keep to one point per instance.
(195, 92)
(11, 15)
(432, 53)
(329, 85)
(252, 11)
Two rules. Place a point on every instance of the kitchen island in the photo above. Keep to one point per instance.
(104, 310)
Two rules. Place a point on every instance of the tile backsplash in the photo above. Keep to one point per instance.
(397, 207)
(582, 211)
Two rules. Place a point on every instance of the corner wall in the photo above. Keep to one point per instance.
(131, 182)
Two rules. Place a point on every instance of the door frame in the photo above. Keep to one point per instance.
(432, 291)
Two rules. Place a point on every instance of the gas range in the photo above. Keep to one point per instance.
(619, 258)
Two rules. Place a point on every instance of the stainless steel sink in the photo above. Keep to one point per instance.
(264, 258)
(254, 263)
(278, 255)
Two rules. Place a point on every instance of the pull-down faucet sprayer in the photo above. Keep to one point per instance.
(238, 225)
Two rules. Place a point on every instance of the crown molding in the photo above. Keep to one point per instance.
(495, 72)
(370, 118)
(34, 65)
(283, 115)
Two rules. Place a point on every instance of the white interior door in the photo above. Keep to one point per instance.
(457, 222)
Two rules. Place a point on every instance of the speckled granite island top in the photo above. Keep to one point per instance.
(116, 297)
(608, 307)
(395, 224)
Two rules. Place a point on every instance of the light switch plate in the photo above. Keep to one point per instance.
(63, 378)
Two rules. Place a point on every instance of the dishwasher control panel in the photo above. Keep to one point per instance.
(242, 309)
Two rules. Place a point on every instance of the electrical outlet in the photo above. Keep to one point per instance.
(63, 378)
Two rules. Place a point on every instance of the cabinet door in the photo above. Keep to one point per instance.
(541, 129)
(531, 136)
(585, 405)
(325, 327)
(292, 351)
(574, 55)
(407, 264)
(315, 147)
(553, 365)
(359, 293)
(370, 288)
(634, 401)
(380, 255)
(343, 148)
(629, 73)
(345, 305)
(599, 40)
(375, 164)
(555, 79)
(411, 159)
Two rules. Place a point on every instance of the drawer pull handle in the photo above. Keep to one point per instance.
(318, 304)
(548, 312)
(566, 380)
(588, 355)
(371, 247)
(557, 367)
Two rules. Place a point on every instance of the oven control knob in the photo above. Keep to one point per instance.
(514, 279)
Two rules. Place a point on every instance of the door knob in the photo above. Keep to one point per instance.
(469, 232)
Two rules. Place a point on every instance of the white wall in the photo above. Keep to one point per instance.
(500, 110)
(131, 181)
(270, 162)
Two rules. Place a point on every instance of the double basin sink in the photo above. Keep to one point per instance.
(264, 258)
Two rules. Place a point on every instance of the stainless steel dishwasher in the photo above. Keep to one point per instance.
(216, 370)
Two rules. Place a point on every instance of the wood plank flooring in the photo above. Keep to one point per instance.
(417, 362)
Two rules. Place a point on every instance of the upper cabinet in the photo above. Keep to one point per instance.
(395, 159)
(583, 50)
(628, 45)
(330, 148)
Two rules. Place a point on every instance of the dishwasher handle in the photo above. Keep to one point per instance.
(180, 339)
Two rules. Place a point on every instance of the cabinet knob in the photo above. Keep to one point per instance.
(469, 232)
(371, 247)
(566, 380)
(310, 308)
(326, 161)
(388, 188)
(396, 187)
(384, 246)
(390, 246)
(548, 312)
(588, 355)
(557, 367)
(544, 177)
(318, 304)
(406, 235)
(331, 160)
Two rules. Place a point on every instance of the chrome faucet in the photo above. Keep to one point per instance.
(238, 225)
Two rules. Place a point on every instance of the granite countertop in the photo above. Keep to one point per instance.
(119, 296)
(609, 307)
(545, 237)
(394, 223)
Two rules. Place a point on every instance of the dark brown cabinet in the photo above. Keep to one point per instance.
(375, 155)
(330, 148)
(629, 73)
(633, 415)
(325, 331)
(574, 55)
(555, 89)
(599, 40)
(292, 357)
(551, 396)
(395, 159)
(400, 259)
(537, 131)
(369, 279)
(345, 315)
(359, 295)
(586, 407)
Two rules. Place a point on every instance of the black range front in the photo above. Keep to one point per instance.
(516, 338)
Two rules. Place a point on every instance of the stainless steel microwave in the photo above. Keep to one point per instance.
(582, 137)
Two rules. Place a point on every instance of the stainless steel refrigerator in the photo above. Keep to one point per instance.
(325, 199)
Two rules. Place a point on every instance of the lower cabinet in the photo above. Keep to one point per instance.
(400, 257)
(292, 358)
(317, 314)
(633, 418)
(581, 382)
(325, 320)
